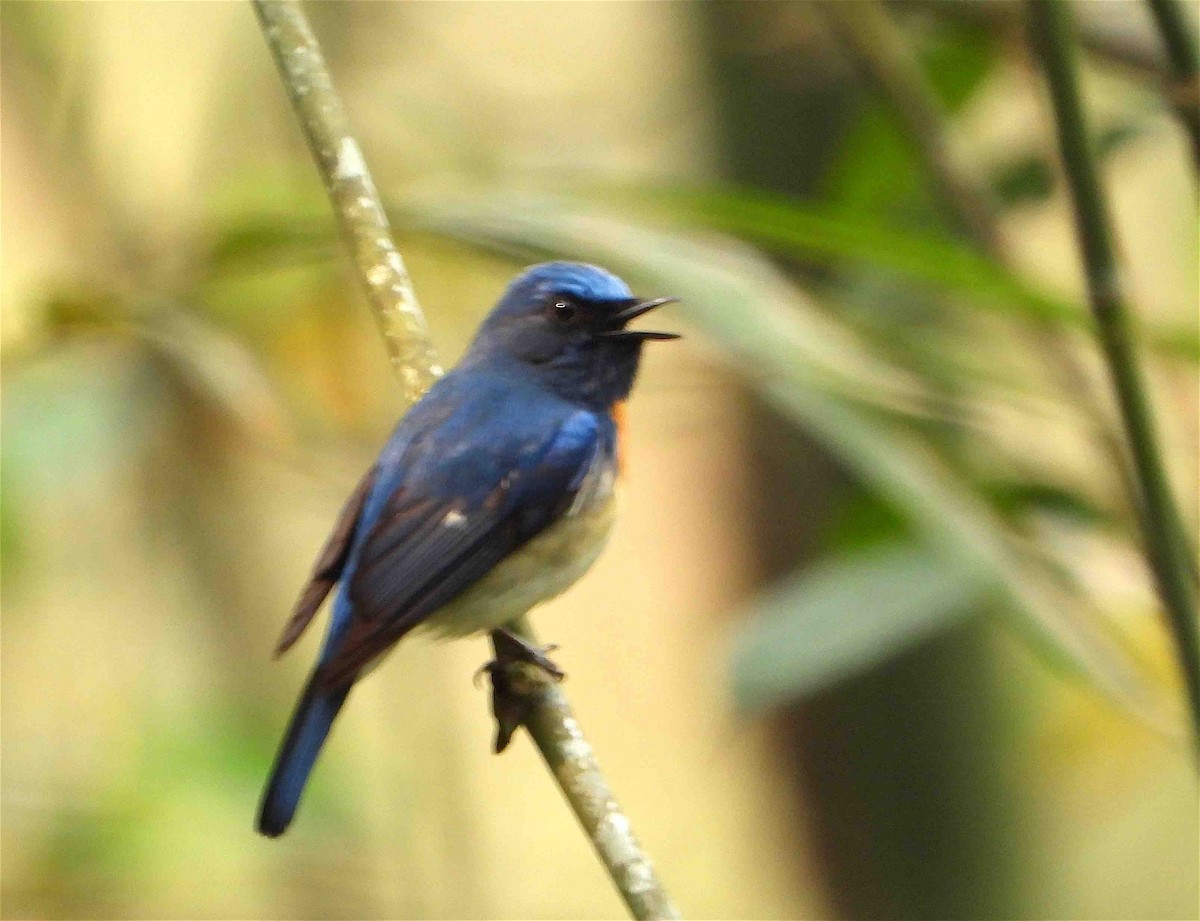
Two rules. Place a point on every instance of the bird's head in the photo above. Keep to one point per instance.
(566, 323)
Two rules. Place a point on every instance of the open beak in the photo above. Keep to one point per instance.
(632, 312)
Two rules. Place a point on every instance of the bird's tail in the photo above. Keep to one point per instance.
(306, 734)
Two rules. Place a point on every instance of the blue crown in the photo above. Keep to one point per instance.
(578, 279)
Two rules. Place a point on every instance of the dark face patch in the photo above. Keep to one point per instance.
(565, 324)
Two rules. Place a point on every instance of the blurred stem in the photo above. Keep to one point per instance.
(1183, 53)
(547, 714)
(1167, 546)
(870, 35)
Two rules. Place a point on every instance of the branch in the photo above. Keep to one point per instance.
(545, 711)
(526, 695)
(1168, 548)
(1183, 53)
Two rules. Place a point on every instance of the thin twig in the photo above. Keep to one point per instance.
(1168, 548)
(546, 713)
(1183, 53)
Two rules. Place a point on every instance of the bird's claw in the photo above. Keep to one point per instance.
(529, 655)
(512, 649)
(540, 656)
(517, 671)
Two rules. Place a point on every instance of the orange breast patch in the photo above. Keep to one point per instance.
(618, 417)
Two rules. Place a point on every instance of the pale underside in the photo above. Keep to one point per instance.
(544, 567)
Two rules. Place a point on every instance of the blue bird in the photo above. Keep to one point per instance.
(494, 493)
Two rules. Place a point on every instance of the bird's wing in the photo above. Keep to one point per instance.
(455, 514)
(328, 568)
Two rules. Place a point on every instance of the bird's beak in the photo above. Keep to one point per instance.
(632, 312)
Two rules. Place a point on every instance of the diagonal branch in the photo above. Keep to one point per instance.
(1168, 547)
(356, 204)
(544, 709)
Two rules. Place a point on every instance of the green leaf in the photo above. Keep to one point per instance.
(774, 337)
(248, 244)
(809, 231)
(844, 616)
(878, 168)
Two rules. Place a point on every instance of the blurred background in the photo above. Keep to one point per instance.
(873, 637)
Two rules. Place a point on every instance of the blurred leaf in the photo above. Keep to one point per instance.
(862, 522)
(1040, 496)
(808, 231)
(844, 360)
(218, 369)
(260, 266)
(69, 312)
(1032, 177)
(10, 527)
(1027, 179)
(957, 58)
(71, 415)
(245, 245)
(214, 366)
(879, 170)
(844, 616)
(762, 322)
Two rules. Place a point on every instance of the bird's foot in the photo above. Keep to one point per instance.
(519, 670)
(512, 649)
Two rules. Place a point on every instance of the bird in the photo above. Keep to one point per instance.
(494, 493)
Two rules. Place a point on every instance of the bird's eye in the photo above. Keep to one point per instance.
(562, 310)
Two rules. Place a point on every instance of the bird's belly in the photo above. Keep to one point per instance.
(546, 566)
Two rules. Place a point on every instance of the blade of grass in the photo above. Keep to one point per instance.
(806, 231)
(790, 228)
